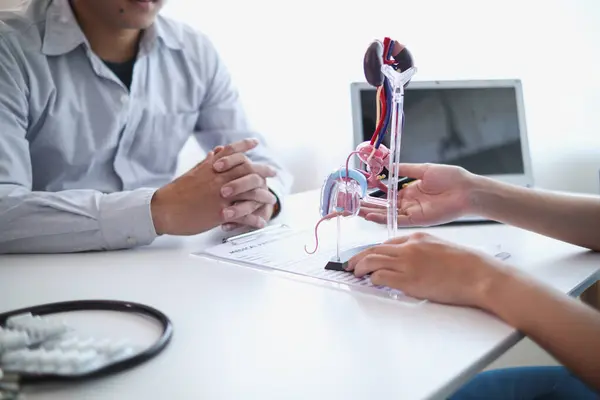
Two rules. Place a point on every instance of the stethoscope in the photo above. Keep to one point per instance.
(11, 382)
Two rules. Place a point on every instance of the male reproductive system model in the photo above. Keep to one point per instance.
(345, 188)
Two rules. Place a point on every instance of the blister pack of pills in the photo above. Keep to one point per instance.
(34, 345)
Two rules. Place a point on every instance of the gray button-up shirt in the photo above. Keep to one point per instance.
(80, 154)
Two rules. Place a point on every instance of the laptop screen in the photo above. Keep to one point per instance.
(475, 128)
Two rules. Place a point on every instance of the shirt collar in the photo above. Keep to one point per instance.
(163, 31)
(166, 32)
(63, 34)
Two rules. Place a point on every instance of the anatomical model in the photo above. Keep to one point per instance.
(388, 66)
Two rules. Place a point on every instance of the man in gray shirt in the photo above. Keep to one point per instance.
(97, 98)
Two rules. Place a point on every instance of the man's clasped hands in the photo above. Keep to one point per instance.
(226, 189)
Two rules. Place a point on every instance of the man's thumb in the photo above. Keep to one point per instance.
(415, 171)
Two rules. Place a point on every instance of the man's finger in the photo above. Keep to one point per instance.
(228, 162)
(384, 249)
(249, 168)
(375, 217)
(381, 218)
(242, 185)
(210, 156)
(241, 146)
(368, 210)
(230, 226)
(265, 212)
(253, 220)
(260, 195)
(372, 263)
(217, 149)
(373, 205)
(398, 240)
(415, 171)
(258, 219)
(389, 278)
(264, 170)
(239, 210)
(404, 221)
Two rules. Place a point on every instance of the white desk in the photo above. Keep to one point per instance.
(245, 334)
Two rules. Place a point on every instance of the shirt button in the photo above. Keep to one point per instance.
(64, 19)
(124, 99)
(131, 240)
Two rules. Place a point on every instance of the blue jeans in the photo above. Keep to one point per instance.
(525, 383)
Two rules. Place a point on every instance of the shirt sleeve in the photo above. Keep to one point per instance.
(222, 120)
(52, 222)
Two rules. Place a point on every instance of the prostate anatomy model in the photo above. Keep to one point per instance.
(388, 66)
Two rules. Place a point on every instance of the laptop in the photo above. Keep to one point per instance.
(476, 124)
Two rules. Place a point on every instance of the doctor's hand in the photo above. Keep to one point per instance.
(251, 203)
(441, 194)
(426, 267)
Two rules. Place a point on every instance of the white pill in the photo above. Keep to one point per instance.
(68, 344)
(118, 346)
(83, 344)
(48, 357)
(102, 345)
(125, 352)
(54, 329)
(12, 357)
(47, 368)
(29, 357)
(85, 358)
(31, 368)
(32, 324)
(50, 344)
(17, 320)
(13, 340)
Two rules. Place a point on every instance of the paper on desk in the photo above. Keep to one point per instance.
(283, 250)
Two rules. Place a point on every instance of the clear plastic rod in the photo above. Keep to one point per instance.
(339, 238)
(395, 143)
(397, 81)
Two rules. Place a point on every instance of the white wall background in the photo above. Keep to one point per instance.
(294, 61)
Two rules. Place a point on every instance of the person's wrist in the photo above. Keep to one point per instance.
(494, 282)
(158, 209)
(478, 188)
